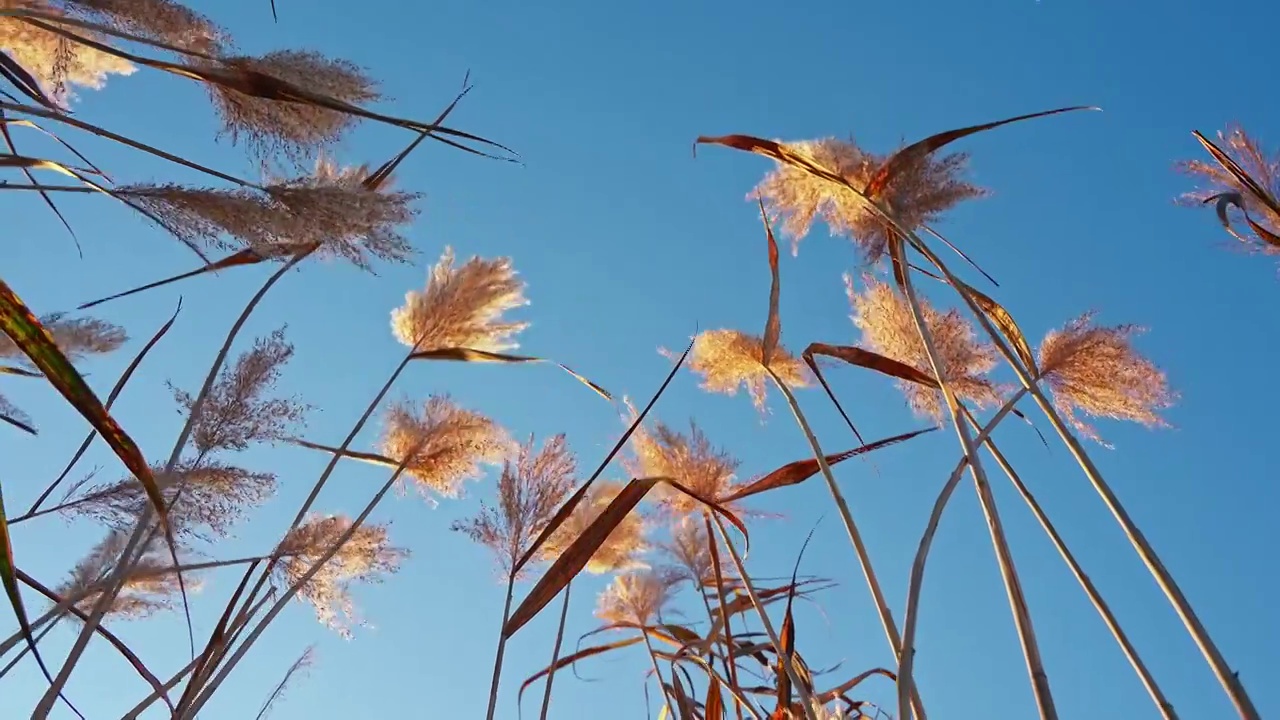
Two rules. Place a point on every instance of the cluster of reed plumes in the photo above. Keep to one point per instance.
(677, 520)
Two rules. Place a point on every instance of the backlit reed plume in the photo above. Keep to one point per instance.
(452, 443)
(295, 130)
(75, 337)
(690, 551)
(367, 556)
(329, 210)
(237, 411)
(204, 501)
(637, 597)
(165, 21)
(917, 195)
(689, 460)
(1096, 371)
(57, 63)
(1264, 168)
(884, 318)
(530, 490)
(727, 359)
(150, 587)
(462, 307)
(620, 551)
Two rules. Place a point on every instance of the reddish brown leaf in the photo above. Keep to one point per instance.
(1005, 322)
(773, 324)
(872, 361)
(1227, 199)
(242, 257)
(715, 702)
(469, 355)
(1244, 178)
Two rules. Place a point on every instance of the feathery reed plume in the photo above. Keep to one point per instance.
(236, 414)
(530, 490)
(690, 551)
(1095, 370)
(367, 556)
(688, 459)
(150, 587)
(55, 62)
(294, 130)
(162, 20)
(620, 551)
(1264, 169)
(884, 318)
(727, 359)
(637, 597)
(918, 194)
(462, 307)
(75, 337)
(329, 209)
(451, 443)
(204, 501)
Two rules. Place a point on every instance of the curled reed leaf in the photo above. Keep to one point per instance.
(451, 443)
(638, 597)
(367, 556)
(729, 359)
(1096, 371)
(150, 587)
(1247, 177)
(462, 307)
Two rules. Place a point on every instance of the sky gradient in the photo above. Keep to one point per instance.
(630, 243)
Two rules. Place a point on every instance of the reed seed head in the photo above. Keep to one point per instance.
(56, 62)
(75, 337)
(620, 551)
(448, 443)
(165, 21)
(237, 411)
(1261, 166)
(727, 359)
(637, 597)
(295, 130)
(530, 490)
(883, 316)
(151, 585)
(367, 556)
(690, 551)
(917, 195)
(462, 307)
(1096, 371)
(689, 460)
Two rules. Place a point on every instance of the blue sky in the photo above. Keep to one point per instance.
(629, 243)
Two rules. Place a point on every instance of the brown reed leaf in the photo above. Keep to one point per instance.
(622, 548)
(889, 329)
(1096, 371)
(367, 556)
(150, 587)
(1004, 321)
(452, 443)
(530, 491)
(689, 459)
(728, 359)
(773, 321)
(462, 307)
(1244, 176)
(237, 411)
(582, 654)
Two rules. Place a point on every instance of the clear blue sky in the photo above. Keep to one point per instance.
(628, 243)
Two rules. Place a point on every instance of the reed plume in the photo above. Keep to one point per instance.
(1096, 371)
(55, 62)
(462, 307)
(1262, 167)
(75, 337)
(729, 359)
(919, 193)
(530, 490)
(638, 597)
(689, 459)
(690, 552)
(885, 321)
(367, 556)
(449, 443)
(165, 21)
(620, 551)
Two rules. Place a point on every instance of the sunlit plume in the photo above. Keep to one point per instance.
(446, 444)
(620, 551)
(462, 307)
(637, 597)
(729, 359)
(689, 459)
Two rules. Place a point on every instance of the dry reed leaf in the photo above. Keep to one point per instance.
(889, 329)
(530, 490)
(150, 586)
(583, 654)
(469, 355)
(452, 443)
(1096, 371)
(620, 550)
(728, 359)
(462, 307)
(773, 321)
(690, 460)
(1244, 176)
(366, 556)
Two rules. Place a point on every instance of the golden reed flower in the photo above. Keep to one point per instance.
(637, 597)
(620, 551)
(727, 359)
(462, 307)
(530, 490)
(1096, 371)
(688, 459)
(55, 62)
(366, 556)
(452, 443)
(917, 195)
(1264, 168)
(888, 328)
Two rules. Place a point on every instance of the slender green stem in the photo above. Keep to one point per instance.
(855, 537)
(502, 648)
(1095, 597)
(1009, 574)
(1229, 679)
(555, 653)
